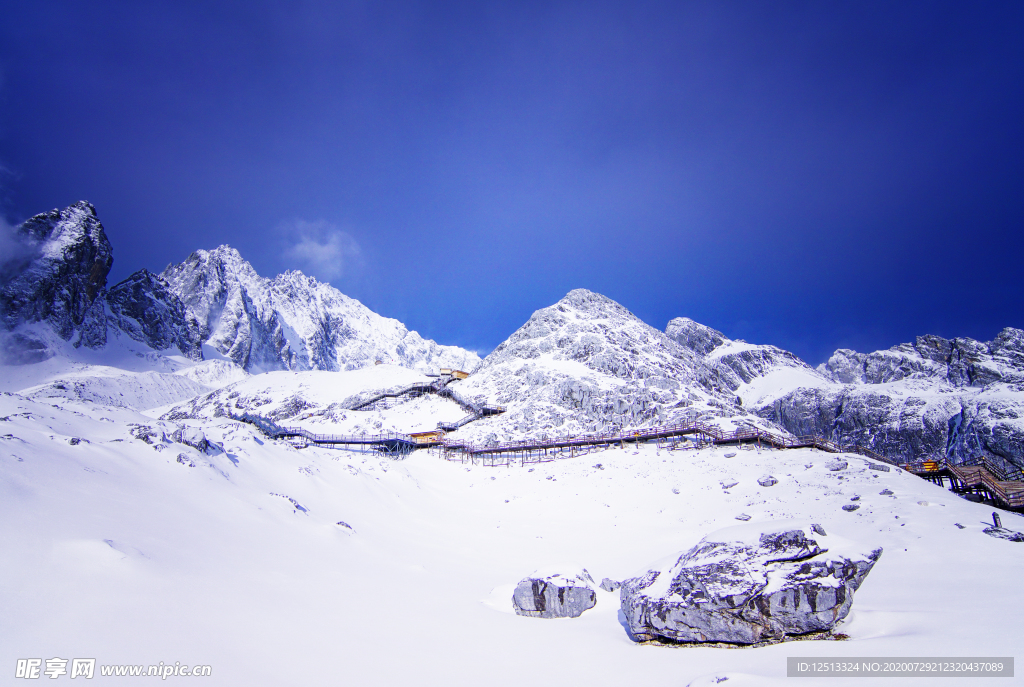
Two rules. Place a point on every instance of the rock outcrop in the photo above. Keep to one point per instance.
(937, 398)
(143, 307)
(61, 281)
(566, 593)
(63, 272)
(748, 584)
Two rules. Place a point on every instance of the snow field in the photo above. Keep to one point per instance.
(115, 550)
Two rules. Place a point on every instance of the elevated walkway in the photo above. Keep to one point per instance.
(979, 477)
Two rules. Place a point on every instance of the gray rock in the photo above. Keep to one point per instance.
(767, 481)
(850, 507)
(749, 583)
(610, 585)
(885, 492)
(836, 465)
(695, 336)
(194, 437)
(565, 593)
(144, 307)
(881, 467)
(743, 516)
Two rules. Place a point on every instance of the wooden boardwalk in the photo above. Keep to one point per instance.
(980, 476)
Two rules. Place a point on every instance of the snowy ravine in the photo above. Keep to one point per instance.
(294, 322)
(936, 398)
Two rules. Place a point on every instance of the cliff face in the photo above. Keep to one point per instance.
(67, 261)
(61, 282)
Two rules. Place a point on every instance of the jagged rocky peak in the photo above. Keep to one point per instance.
(961, 361)
(699, 338)
(205, 279)
(294, 322)
(60, 272)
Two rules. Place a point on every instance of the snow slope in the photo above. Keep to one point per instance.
(116, 550)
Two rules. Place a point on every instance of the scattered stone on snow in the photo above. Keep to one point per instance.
(1003, 533)
(767, 481)
(850, 507)
(881, 467)
(855, 498)
(729, 485)
(885, 492)
(186, 460)
(730, 454)
(566, 593)
(192, 436)
(835, 465)
(342, 523)
(749, 583)
(743, 516)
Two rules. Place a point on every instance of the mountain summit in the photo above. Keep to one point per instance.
(294, 322)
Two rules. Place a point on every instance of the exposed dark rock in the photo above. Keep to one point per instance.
(610, 585)
(63, 273)
(144, 307)
(697, 337)
(1003, 533)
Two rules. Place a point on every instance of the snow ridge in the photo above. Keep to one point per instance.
(294, 322)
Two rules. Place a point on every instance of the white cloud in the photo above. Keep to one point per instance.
(321, 249)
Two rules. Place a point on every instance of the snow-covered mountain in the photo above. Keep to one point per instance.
(125, 486)
(938, 398)
(54, 297)
(294, 322)
(54, 301)
(587, 364)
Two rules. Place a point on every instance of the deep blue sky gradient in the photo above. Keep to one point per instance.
(809, 174)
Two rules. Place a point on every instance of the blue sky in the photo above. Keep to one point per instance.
(813, 175)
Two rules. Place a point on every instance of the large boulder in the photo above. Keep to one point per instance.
(550, 594)
(749, 583)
